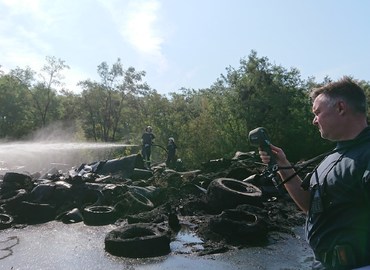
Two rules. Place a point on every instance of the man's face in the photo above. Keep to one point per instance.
(326, 118)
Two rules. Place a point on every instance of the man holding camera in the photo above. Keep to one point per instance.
(337, 198)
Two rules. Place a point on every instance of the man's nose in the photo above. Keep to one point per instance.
(314, 120)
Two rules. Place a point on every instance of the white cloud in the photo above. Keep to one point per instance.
(16, 52)
(22, 6)
(41, 12)
(72, 77)
(21, 41)
(30, 30)
(138, 25)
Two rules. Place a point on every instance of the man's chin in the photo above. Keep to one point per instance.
(325, 137)
(322, 134)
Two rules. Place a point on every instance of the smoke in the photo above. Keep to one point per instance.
(54, 147)
(60, 131)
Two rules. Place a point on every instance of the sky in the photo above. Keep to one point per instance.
(186, 44)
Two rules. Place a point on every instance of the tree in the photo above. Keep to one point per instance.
(44, 92)
(206, 123)
(15, 117)
(275, 98)
(104, 102)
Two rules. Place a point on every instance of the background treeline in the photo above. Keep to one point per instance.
(206, 123)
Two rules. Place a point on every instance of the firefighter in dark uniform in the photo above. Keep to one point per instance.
(147, 141)
(171, 153)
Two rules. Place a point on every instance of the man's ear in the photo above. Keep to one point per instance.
(341, 107)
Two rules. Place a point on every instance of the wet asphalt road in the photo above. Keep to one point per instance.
(55, 245)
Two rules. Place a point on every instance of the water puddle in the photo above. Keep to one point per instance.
(186, 241)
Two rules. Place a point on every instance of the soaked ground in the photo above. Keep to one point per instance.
(55, 245)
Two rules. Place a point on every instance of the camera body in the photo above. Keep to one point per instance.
(258, 137)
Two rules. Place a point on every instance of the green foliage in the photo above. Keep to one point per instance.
(206, 123)
(15, 117)
(103, 103)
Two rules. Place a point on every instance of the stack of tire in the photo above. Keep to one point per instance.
(223, 196)
(14, 190)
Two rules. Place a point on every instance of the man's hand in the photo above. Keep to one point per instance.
(278, 153)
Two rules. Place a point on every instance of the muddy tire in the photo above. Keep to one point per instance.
(239, 226)
(93, 197)
(265, 184)
(36, 213)
(71, 216)
(140, 200)
(137, 241)
(226, 193)
(133, 203)
(141, 174)
(99, 215)
(5, 221)
(15, 180)
(13, 197)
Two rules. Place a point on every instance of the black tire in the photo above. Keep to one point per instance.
(93, 197)
(139, 174)
(13, 197)
(137, 241)
(192, 189)
(17, 180)
(99, 215)
(133, 203)
(70, 216)
(225, 193)
(239, 226)
(124, 166)
(140, 200)
(265, 184)
(5, 221)
(36, 213)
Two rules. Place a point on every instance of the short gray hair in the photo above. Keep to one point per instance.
(346, 89)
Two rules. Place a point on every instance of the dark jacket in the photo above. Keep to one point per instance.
(340, 212)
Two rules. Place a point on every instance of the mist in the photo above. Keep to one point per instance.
(55, 147)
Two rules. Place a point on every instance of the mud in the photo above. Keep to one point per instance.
(231, 230)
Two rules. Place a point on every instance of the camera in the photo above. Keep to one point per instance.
(258, 137)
